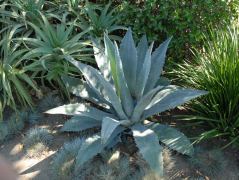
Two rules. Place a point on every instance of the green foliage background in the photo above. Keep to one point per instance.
(185, 20)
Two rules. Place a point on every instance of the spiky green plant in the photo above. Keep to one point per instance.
(21, 11)
(29, 6)
(50, 44)
(15, 81)
(127, 92)
(99, 19)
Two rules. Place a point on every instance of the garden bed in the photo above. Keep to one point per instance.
(176, 166)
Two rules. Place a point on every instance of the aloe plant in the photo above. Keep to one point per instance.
(127, 90)
(99, 19)
(15, 80)
(51, 44)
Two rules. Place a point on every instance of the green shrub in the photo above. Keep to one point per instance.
(216, 70)
(127, 91)
(184, 20)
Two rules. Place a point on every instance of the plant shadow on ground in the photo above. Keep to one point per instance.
(176, 166)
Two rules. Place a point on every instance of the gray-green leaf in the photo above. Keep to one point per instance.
(108, 127)
(128, 54)
(169, 98)
(80, 110)
(173, 138)
(158, 60)
(103, 87)
(148, 144)
(144, 74)
(77, 124)
(89, 148)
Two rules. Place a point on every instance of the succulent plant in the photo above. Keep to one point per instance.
(126, 90)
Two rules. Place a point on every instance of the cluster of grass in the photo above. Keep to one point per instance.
(216, 70)
(13, 125)
(37, 141)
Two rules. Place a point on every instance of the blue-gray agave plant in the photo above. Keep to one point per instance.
(127, 90)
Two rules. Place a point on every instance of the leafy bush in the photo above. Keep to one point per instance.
(126, 92)
(216, 70)
(185, 20)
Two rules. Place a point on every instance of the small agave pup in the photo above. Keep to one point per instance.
(127, 90)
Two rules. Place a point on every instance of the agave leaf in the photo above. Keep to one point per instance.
(169, 98)
(158, 60)
(82, 89)
(77, 124)
(124, 93)
(89, 148)
(102, 61)
(128, 54)
(115, 137)
(148, 144)
(143, 103)
(173, 139)
(111, 58)
(144, 74)
(80, 110)
(163, 81)
(74, 85)
(141, 53)
(103, 87)
(113, 55)
(108, 127)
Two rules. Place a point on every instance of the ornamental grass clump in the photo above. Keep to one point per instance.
(126, 90)
(37, 141)
(216, 70)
